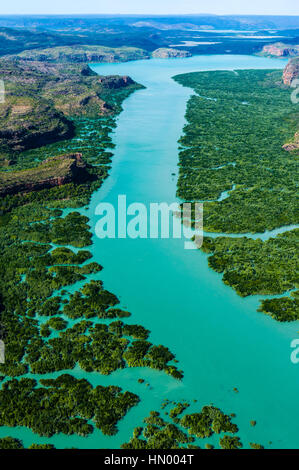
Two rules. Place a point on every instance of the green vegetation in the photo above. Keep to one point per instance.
(56, 324)
(229, 442)
(238, 125)
(253, 445)
(210, 420)
(157, 434)
(65, 405)
(283, 308)
(178, 410)
(10, 443)
(254, 266)
(39, 264)
(31, 276)
(41, 446)
(72, 230)
(13, 443)
(41, 97)
(161, 434)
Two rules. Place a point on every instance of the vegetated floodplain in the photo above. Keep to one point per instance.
(237, 126)
(36, 308)
(181, 430)
(46, 328)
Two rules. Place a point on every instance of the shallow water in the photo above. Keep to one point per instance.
(220, 339)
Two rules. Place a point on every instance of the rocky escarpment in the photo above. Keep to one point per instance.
(280, 49)
(291, 72)
(169, 53)
(293, 145)
(114, 82)
(41, 97)
(52, 172)
(84, 54)
(29, 126)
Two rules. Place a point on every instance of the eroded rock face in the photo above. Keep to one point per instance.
(30, 128)
(40, 97)
(291, 72)
(169, 53)
(294, 145)
(113, 82)
(54, 171)
(281, 50)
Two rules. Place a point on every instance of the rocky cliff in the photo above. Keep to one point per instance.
(51, 172)
(280, 49)
(114, 82)
(27, 125)
(293, 145)
(40, 97)
(169, 53)
(291, 72)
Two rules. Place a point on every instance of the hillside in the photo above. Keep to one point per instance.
(13, 41)
(85, 54)
(41, 97)
(51, 172)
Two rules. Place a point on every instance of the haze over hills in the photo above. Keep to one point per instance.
(239, 22)
(198, 34)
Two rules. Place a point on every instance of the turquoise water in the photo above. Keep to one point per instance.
(220, 339)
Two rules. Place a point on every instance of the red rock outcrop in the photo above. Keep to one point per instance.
(281, 50)
(294, 145)
(291, 72)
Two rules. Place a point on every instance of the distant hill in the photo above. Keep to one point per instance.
(17, 39)
(84, 54)
(13, 41)
(106, 22)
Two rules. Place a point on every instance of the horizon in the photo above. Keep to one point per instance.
(151, 8)
(159, 15)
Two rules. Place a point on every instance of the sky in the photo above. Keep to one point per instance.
(221, 7)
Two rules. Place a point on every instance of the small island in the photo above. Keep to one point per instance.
(170, 53)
